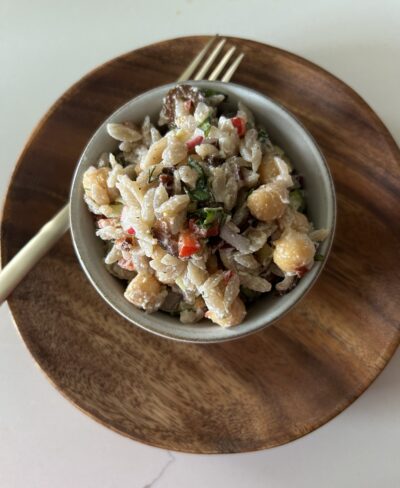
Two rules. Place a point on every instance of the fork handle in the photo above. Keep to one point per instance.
(30, 254)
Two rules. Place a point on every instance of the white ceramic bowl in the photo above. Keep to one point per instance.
(285, 131)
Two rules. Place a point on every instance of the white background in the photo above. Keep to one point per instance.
(47, 45)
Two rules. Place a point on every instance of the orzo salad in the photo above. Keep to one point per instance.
(201, 213)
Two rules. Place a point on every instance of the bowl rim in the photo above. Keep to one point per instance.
(170, 334)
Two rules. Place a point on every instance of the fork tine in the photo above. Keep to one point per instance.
(221, 65)
(231, 70)
(196, 61)
(203, 70)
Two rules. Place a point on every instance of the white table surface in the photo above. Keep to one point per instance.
(45, 46)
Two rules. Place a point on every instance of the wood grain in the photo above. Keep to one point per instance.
(255, 393)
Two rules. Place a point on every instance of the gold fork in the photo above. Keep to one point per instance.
(201, 73)
(52, 231)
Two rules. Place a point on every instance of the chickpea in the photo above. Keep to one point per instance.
(300, 222)
(268, 169)
(235, 316)
(266, 203)
(292, 219)
(95, 184)
(293, 251)
(145, 292)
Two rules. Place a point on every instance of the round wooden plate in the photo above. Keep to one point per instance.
(263, 390)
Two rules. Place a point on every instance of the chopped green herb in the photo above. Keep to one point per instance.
(199, 194)
(207, 216)
(150, 178)
(205, 126)
(212, 214)
(319, 257)
(193, 163)
(249, 125)
(263, 136)
(297, 200)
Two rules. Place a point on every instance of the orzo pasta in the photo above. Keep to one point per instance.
(202, 214)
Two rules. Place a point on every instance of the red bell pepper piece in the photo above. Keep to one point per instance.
(194, 141)
(187, 244)
(240, 125)
(201, 231)
(213, 231)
